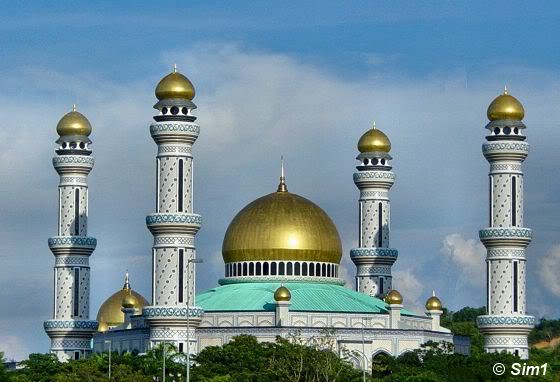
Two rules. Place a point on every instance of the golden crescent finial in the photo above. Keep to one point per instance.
(282, 186)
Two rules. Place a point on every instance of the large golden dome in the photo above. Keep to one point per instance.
(175, 85)
(374, 140)
(110, 313)
(73, 123)
(505, 106)
(282, 226)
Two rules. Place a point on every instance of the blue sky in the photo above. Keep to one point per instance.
(304, 79)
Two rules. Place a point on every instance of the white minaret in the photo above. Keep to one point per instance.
(506, 325)
(374, 178)
(71, 330)
(174, 225)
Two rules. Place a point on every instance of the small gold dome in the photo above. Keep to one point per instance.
(129, 300)
(102, 328)
(394, 298)
(73, 123)
(175, 85)
(505, 106)
(282, 226)
(110, 312)
(282, 294)
(433, 303)
(374, 140)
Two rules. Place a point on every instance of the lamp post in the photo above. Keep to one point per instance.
(110, 351)
(365, 363)
(164, 355)
(189, 261)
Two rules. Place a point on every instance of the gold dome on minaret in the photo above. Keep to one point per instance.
(73, 123)
(394, 297)
(110, 313)
(175, 85)
(433, 303)
(282, 226)
(282, 294)
(505, 106)
(374, 140)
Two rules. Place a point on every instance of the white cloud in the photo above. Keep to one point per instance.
(13, 347)
(411, 288)
(469, 257)
(549, 270)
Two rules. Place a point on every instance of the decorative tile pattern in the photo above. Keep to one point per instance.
(174, 218)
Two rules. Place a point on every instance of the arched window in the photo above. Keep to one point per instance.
(381, 279)
(380, 216)
(304, 269)
(513, 201)
(258, 272)
(328, 270)
(244, 269)
(76, 212)
(318, 269)
(180, 187)
(297, 269)
(290, 269)
(324, 270)
(281, 266)
(239, 270)
(311, 269)
(251, 269)
(265, 268)
(273, 268)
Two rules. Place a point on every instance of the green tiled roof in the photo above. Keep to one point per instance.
(306, 297)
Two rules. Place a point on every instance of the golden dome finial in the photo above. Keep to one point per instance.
(282, 186)
(505, 106)
(126, 281)
(373, 127)
(174, 68)
(74, 107)
(394, 298)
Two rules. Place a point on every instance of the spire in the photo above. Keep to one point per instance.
(126, 281)
(174, 68)
(433, 293)
(282, 186)
(505, 90)
(373, 127)
(74, 107)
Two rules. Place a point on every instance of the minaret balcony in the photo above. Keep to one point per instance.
(507, 323)
(162, 223)
(384, 179)
(374, 255)
(174, 132)
(66, 164)
(505, 150)
(511, 236)
(172, 315)
(70, 327)
(72, 245)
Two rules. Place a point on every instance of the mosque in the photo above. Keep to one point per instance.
(281, 254)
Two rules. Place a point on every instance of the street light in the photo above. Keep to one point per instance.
(189, 261)
(365, 363)
(110, 351)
